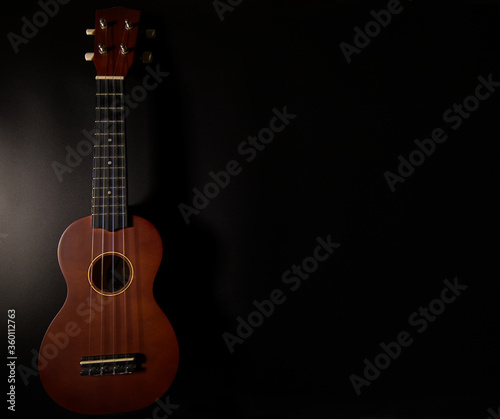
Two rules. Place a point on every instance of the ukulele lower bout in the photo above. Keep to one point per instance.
(123, 352)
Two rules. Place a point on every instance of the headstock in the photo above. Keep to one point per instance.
(116, 31)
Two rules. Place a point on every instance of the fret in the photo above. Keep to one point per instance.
(110, 133)
(111, 177)
(109, 77)
(106, 173)
(98, 207)
(106, 182)
(108, 197)
(109, 94)
(112, 104)
(115, 179)
(110, 213)
(106, 205)
(106, 162)
(110, 146)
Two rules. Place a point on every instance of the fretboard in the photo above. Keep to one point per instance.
(109, 174)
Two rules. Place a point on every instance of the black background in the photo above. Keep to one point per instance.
(322, 175)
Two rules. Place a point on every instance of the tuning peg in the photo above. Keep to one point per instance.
(147, 57)
(124, 49)
(90, 32)
(89, 56)
(150, 33)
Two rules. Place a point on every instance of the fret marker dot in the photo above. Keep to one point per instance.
(109, 192)
(109, 140)
(109, 162)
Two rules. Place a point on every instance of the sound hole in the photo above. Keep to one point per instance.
(110, 273)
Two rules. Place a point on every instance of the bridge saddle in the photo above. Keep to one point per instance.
(113, 364)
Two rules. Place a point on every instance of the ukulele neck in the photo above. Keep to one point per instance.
(109, 174)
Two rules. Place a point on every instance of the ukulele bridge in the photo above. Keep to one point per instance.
(114, 364)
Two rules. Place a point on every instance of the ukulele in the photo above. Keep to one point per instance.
(110, 349)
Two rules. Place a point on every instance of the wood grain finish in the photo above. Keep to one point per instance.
(93, 324)
(113, 62)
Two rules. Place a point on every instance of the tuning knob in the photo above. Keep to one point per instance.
(89, 56)
(90, 32)
(124, 49)
(150, 33)
(147, 57)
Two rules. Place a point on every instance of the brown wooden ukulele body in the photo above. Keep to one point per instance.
(101, 320)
